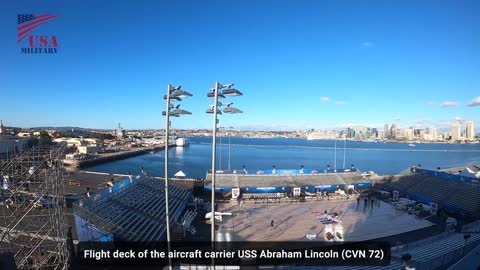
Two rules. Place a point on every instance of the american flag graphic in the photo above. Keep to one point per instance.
(29, 22)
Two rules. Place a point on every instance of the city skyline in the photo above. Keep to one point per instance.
(466, 128)
(329, 66)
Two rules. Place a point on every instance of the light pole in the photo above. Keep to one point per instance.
(171, 110)
(335, 156)
(344, 149)
(229, 135)
(228, 90)
(221, 144)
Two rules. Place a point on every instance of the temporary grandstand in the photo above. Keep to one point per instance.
(32, 220)
(283, 181)
(456, 194)
(133, 209)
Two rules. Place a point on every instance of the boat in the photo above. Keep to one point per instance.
(181, 142)
(411, 144)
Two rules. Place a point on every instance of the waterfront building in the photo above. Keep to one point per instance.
(409, 133)
(469, 130)
(430, 134)
(88, 149)
(350, 133)
(323, 135)
(456, 135)
(11, 145)
(362, 132)
(393, 131)
(419, 133)
(386, 131)
(2, 128)
(23, 134)
(76, 142)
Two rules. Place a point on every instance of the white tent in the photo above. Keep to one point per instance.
(180, 174)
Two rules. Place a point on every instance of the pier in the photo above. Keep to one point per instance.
(107, 157)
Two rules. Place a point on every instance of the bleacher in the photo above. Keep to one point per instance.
(467, 197)
(456, 196)
(435, 254)
(402, 183)
(137, 210)
(436, 189)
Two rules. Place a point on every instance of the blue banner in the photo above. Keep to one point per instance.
(286, 171)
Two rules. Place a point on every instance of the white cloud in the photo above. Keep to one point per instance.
(474, 102)
(325, 99)
(368, 44)
(340, 102)
(449, 104)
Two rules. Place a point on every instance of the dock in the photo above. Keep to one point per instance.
(107, 157)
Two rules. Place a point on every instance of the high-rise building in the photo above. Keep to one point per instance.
(386, 131)
(362, 132)
(350, 133)
(419, 133)
(432, 133)
(408, 133)
(469, 130)
(456, 132)
(393, 131)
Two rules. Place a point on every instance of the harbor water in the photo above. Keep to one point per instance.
(288, 153)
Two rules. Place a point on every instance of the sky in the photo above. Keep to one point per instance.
(300, 64)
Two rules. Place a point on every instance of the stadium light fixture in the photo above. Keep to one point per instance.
(231, 110)
(229, 136)
(219, 91)
(232, 92)
(212, 93)
(174, 111)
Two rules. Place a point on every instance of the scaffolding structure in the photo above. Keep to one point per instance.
(32, 219)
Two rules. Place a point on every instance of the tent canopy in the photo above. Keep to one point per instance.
(180, 174)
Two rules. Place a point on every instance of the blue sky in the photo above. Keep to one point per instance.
(300, 64)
